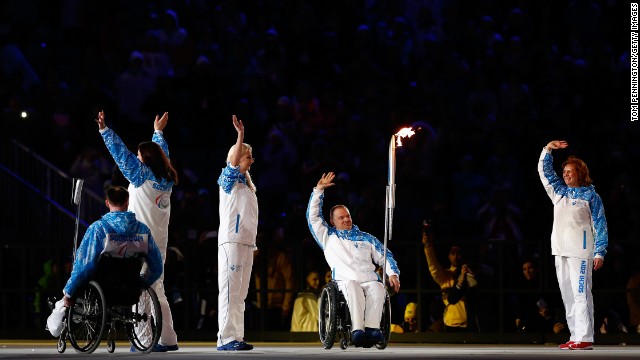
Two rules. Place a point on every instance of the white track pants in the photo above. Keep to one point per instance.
(235, 262)
(574, 278)
(168, 336)
(365, 301)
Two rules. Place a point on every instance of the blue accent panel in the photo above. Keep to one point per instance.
(584, 239)
(132, 168)
(559, 187)
(237, 223)
(601, 232)
(158, 138)
(356, 235)
(229, 176)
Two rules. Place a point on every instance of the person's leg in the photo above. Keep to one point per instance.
(228, 289)
(246, 256)
(354, 295)
(375, 296)
(168, 337)
(563, 273)
(581, 270)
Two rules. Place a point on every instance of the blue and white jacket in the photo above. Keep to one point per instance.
(238, 208)
(579, 224)
(351, 254)
(117, 234)
(149, 198)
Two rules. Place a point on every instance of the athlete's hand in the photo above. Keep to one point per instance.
(557, 144)
(326, 181)
(100, 120)
(161, 122)
(394, 281)
(597, 263)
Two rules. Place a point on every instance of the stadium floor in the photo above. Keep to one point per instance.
(26, 349)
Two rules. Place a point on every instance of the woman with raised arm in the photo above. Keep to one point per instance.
(236, 242)
(578, 240)
(151, 178)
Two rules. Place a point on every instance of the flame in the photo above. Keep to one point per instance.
(404, 132)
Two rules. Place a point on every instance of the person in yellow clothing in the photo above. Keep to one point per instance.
(410, 323)
(455, 283)
(305, 307)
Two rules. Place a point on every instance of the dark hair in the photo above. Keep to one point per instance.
(581, 169)
(153, 156)
(117, 195)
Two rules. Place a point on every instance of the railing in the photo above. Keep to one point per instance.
(38, 224)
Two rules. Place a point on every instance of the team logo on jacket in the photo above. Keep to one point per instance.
(163, 201)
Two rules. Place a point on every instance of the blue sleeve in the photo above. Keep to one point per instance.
(154, 261)
(601, 233)
(87, 256)
(132, 168)
(559, 187)
(379, 249)
(158, 138)
(229, 177)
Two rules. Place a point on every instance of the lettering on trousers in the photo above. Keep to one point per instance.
(581, 280)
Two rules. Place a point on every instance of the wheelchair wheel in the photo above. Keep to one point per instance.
(145, 326)
(86, 318)
(327, 312)
(385, 323)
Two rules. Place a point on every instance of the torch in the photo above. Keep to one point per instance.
(76, 198)
(391, 192)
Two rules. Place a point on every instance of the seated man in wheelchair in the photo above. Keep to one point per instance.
(119, 235)
(351, 254)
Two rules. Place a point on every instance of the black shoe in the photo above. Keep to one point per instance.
(358, 338)
(374, 335)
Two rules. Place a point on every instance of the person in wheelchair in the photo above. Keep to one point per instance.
(116, 234)
(351, 254)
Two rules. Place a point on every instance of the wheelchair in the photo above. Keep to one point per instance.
(334, 319)
(115, 298)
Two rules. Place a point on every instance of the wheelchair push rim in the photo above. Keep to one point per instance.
(86, 318)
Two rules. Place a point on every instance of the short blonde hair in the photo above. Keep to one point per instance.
(246, 148)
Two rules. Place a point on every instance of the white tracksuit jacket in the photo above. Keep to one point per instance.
(350, 253)
(579, 224)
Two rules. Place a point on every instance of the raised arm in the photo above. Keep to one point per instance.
(317, 225)
(158, 127)
(237, 154)
(553, 184)
(128, 163)
(326, 181)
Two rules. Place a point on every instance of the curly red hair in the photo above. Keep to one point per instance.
(581, 169)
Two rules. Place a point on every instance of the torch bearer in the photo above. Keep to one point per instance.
(391, 193)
